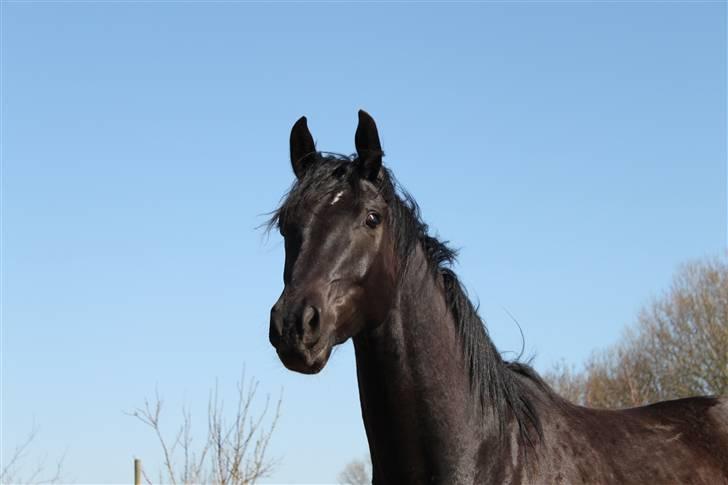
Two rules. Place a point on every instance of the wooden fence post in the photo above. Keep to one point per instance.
(137, 471)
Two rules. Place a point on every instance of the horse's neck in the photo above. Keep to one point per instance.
(422, 422)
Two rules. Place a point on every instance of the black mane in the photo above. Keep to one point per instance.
(498, 385)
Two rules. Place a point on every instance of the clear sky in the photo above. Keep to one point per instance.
(574, 152)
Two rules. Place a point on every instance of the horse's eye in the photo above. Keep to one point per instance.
(373, 219)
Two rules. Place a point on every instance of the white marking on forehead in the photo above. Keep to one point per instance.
(337, 197)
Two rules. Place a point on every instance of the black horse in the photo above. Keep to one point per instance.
(439, 403)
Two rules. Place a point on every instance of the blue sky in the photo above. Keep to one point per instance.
(574, 152)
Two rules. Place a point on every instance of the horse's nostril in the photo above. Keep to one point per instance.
(310, 325)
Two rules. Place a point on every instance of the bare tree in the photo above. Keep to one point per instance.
(676, 349)
(12, 470)
(568, 382)
(234, 449)
(356, 472)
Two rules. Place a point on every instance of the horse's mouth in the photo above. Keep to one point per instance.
(305, 361)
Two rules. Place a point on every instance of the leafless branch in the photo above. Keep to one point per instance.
(12, 470)
(234, 449)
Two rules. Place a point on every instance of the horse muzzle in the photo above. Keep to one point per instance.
(297, 336)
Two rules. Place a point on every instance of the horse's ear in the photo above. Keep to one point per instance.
(368, 147)
(303, 149)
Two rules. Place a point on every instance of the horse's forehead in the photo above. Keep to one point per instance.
(368, 191)
(309, 199)
(337, 197)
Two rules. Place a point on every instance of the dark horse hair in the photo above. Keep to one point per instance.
(493, 380)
